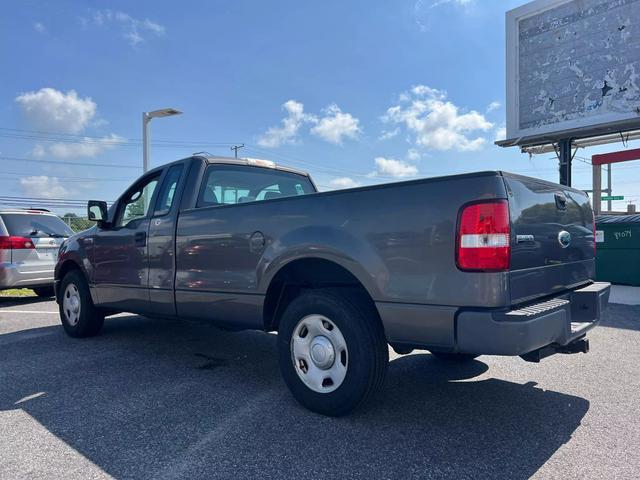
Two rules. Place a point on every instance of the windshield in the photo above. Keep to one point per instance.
(35, 225)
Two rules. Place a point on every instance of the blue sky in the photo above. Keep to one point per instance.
(356, 92)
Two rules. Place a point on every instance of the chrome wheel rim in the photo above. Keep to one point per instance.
(71, 304)
(319, 353)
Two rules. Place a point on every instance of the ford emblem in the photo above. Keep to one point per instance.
(564, 239)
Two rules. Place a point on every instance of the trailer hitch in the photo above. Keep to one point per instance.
(577, 346)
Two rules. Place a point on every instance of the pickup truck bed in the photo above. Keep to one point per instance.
(483, 263)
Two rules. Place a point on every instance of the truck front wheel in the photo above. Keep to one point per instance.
(79, 316)
(332, 350)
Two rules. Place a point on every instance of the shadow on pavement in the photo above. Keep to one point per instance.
(622, 316)
(165, 399)
(8, 301)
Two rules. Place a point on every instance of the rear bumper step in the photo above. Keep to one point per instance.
(577, 346)
(558, 325)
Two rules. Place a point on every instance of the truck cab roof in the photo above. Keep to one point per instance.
(252, 162)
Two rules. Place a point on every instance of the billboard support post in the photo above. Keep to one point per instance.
(565, 159)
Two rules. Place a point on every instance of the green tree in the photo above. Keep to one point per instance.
(76, 223)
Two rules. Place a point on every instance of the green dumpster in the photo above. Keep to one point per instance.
(618, 249)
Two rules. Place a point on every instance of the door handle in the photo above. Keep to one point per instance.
(140, 239)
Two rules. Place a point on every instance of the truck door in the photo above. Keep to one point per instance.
(161, 242)
(121, 267)
(221, 242)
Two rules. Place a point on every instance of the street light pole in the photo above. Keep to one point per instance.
(146, 119)
(145, 142)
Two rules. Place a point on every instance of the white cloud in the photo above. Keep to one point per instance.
(493, 106)
(423, 10)
(52, 110)
(424, 91)
(87, 147)
(394, 168)
(38, 151)
(413, 155)
(343, 182)
(134, 30)
(501, 134)
(461, 3)
(333, 127)
(387, 134)
(287, 133)
(42, 186)
(336, 125)
(39, 27)
(437, 123)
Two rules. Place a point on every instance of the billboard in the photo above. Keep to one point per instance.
(573, 69)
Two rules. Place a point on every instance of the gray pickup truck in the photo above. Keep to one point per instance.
(484, 263)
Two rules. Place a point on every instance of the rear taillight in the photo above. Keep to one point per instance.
(484, 240)
(16, 243)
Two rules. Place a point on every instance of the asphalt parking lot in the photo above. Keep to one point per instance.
(165, 399)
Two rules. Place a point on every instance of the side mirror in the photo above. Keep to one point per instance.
(97, 211)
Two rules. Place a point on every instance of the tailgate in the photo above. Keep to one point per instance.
(553, 243)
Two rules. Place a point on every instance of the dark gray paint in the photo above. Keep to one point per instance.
(542, 267)
(360, 229)
(500, 333)
(398, 240)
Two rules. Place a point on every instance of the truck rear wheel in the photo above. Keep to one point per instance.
(332, 350)
(79, 316)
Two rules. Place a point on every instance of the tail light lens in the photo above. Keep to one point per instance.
(484, 237)
(16, 243)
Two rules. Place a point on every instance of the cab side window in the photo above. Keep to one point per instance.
(232, 184)
(136, 202)
(167, 192)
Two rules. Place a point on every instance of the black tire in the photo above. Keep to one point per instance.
(361, 329)
(44, 292)
(89, 318)
(454, 357)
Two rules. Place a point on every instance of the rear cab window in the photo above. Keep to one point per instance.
(35, 225)
(233, 184)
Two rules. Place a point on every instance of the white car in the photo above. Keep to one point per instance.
(29, 243)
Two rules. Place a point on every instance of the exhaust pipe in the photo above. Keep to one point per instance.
(577, 346)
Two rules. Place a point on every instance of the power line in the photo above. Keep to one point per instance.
(86, 164)
(183, 144)
(38, 199)
(68, 179)
(93, 139)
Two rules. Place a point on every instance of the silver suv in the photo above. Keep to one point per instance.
(29, 243)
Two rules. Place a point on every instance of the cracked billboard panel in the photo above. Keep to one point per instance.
(572, 65)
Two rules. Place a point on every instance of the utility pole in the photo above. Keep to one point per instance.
(235, 148)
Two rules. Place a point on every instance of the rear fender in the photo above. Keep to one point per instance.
(325, 243)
